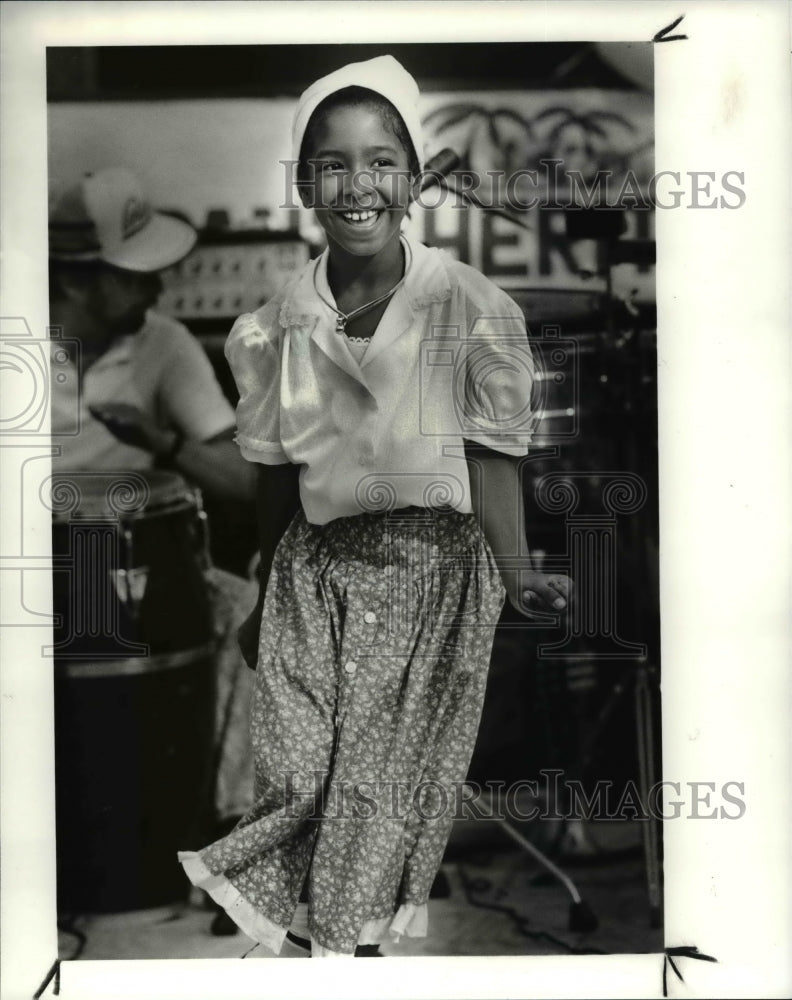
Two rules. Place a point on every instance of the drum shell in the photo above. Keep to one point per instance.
(134, 695)
(133, 755)
(138, 579)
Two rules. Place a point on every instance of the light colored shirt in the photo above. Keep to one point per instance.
(449, 361)
(161, 369)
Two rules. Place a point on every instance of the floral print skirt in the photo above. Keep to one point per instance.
(373, 656)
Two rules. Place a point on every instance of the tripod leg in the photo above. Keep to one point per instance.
(647, 775)
(581, 917)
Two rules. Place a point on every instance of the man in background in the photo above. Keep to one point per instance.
(147, 397)
(145, 390)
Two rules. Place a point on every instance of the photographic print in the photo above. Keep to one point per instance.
(368, 456)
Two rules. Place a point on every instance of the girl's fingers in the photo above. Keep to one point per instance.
(551, 597)
(561, 584)
(544, 596)
(529, 603)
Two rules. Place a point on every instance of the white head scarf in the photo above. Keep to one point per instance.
(385, 76)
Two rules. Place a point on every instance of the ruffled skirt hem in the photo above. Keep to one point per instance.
(410, 920)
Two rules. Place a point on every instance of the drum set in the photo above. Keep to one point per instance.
(134, 655)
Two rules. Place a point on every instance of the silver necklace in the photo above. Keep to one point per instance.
(343, 318)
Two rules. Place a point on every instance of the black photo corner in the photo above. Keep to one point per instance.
(558, 847)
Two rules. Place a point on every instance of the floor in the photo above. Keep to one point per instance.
(492, 899)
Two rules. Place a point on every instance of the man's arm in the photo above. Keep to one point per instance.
(215, 465)
(190, 401)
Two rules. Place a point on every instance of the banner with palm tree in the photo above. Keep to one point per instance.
(529, 156)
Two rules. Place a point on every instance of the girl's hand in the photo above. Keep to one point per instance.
(532, 591)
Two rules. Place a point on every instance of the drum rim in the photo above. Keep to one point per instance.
(133, 666)
(176, 494)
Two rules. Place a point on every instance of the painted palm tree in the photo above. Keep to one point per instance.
(584, 141)
(492, 143)
(502, 139)
(485, 138)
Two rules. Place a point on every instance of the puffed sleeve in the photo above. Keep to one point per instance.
(253, 354)
(497, 379)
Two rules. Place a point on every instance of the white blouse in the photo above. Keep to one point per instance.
(161, 369)
(449, 360)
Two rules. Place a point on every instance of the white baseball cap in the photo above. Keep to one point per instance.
(107, 217)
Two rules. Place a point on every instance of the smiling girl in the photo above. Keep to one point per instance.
(384, 396)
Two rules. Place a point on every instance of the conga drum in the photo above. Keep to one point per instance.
(134, 687)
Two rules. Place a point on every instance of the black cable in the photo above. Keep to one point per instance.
(53, 974)
(68, 927)
(520, 922)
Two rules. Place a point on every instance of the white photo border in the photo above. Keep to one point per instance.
(722, 103)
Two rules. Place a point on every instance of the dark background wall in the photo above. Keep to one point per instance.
(173, 71)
